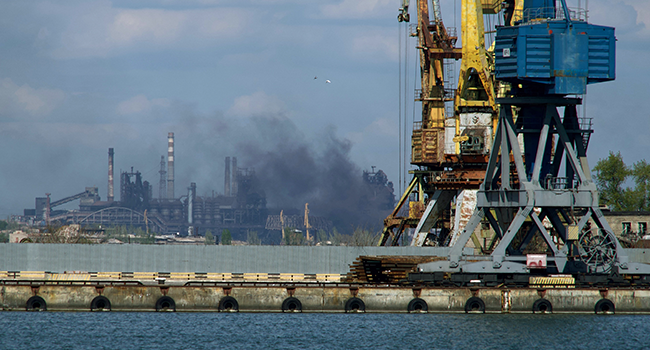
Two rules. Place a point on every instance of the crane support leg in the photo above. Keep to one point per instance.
(437, 204)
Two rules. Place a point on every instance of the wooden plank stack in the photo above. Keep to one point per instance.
(388, 269)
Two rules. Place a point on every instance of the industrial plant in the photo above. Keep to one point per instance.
(241, 208)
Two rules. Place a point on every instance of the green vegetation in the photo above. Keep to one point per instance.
(4, 236)
(252, 238)
(322, 236)
(226, 237)
(209, 238)
(364, 238)
(122, 233)
(7, 225)
(293, 236)
(360, 237)
(338, 238)
(610, 176)
(142, 237)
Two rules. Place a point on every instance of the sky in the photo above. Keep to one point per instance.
(78, 77)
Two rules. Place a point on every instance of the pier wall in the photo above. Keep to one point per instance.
(272, 287)
(322, 298)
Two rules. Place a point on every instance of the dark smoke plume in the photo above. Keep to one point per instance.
(291, 167)
(293, 170)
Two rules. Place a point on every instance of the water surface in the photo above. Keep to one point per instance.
(135, 330)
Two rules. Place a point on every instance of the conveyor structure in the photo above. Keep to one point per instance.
(90, 192)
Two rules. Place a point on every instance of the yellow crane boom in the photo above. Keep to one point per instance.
(450, 151)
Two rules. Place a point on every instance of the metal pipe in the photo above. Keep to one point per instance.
(170, 165)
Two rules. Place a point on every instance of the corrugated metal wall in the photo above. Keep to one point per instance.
(178, 258)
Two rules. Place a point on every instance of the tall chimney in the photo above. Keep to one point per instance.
(47, 209)
(234, 176)
(226, 184)
(191, 197)
(170, 165)
(162, 183)
(111, 193)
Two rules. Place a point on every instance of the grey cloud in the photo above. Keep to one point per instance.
(101, 30)
(19, 101)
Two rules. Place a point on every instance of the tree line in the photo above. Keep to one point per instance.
(623, 187)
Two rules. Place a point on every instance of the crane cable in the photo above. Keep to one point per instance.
(399, 108)
(405, 120)
(403, 106)
(403, 137)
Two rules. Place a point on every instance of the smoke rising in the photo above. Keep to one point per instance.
(292, 168)
(295, 170)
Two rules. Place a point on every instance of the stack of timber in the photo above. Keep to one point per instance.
(385, 268)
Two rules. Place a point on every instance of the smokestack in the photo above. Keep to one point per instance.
(170, 165)
(234, 176)
(191, 196)
(111, 192)
(47, 209)
(162, 183)
(226, 184)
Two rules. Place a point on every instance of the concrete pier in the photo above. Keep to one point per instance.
(314, 297)
(262, 279)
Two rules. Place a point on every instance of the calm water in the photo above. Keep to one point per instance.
(64, 330)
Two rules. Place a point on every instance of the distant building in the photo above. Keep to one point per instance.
(628, 222)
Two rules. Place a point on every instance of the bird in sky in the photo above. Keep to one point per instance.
(327, 82)
(315, 78)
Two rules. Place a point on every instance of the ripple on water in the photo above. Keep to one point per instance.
(115, 330)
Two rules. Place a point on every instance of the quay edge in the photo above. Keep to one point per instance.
(323, 298)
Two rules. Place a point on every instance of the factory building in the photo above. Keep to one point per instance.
(241, 208)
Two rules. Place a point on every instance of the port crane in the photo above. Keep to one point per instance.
(534, 178)
(450, 151)
(548, 57)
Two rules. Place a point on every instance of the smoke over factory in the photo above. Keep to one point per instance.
(282, 178)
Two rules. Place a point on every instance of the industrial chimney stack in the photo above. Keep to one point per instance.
(235, 184)
(170, 166)
(162, 183)
(110, 175)
(191, 197)
(226, 184)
